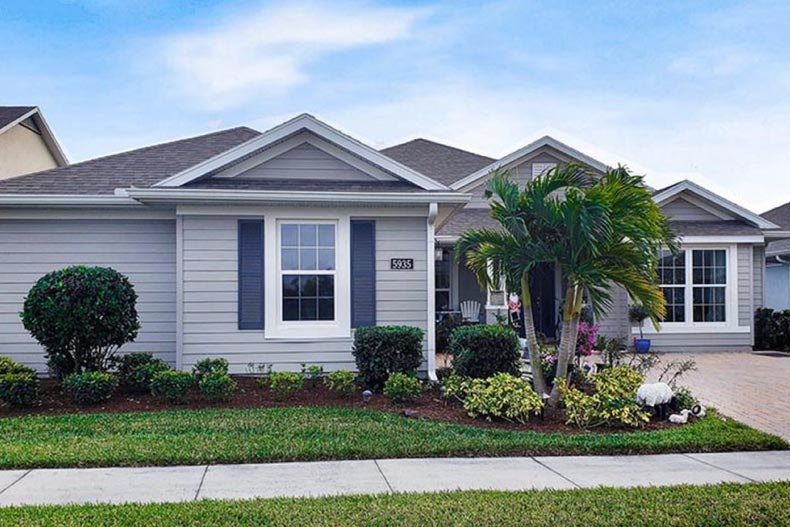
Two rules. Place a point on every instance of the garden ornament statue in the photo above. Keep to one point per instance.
(698, 410)
(514, 310)
(681, 418)
(657, 396)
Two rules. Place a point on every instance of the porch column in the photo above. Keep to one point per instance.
(496, 302)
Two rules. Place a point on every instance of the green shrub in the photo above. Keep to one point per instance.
(772, 329)
(312, 373)
(482, 351)
(90, 387)
(685, 398)
(209, 365)
(455, 387)
(217, 387)
(284, 383)
(81, 316)
(445, 328)
(341, 381)
(402, 388)
(19, 389)
(135, 371)
(172, 385)
(8, 365)
(382, 350)
(613, 402)
(501, 396)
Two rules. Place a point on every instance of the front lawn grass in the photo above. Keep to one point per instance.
(684, 506)
(189, 437)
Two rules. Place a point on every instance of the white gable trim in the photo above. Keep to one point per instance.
(300, 139)
(285, 130)
(46, 135)
(666, 195)
(525, 151)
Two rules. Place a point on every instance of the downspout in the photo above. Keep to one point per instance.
(433, 211)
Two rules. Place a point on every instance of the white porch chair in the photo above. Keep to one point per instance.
(470, 310)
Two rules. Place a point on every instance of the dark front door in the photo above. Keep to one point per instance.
(543, 300)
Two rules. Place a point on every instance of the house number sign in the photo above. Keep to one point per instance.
(402, 264)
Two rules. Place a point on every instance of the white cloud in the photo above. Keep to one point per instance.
(272, 47)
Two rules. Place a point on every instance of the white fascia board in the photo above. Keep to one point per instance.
(281, 196)
(46, 134)
(282, 131)
(70, 200)
(689, 240)
(546, 140)
(686, 185)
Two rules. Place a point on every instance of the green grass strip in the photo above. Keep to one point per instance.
(305, 434)
(716, 505)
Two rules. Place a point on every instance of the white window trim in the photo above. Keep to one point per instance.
(275, 327)
(730, 325)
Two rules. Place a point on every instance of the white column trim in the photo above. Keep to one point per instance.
(179, 291)
(433, 211)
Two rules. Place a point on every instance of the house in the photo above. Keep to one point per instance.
(777, 262)
(26, 142)
(272, 247)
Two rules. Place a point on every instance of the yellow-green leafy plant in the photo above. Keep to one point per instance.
(501, 396)
(402, 388)
(613, 402)
(456, 387)
(285, 383)
(342, 382)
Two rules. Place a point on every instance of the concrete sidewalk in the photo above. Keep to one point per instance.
(174, 484)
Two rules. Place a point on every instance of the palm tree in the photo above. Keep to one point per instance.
(612, 234)
(524, 241)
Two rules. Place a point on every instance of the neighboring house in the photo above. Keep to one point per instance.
(777, 262)
(26, 142)
(272, 247)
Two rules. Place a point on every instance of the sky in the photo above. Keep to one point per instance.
(673, 89)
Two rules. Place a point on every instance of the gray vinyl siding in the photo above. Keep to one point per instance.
(745, 284)
(615, 323)
(520, 172)
(777, 286)
(210, 297)
(305, 162)
(683, 210)
(685, 342)
(144, 250)
(758, 267)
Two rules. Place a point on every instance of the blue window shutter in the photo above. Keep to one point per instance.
(363, 273)
(251, 300)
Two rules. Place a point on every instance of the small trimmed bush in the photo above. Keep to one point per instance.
(484, 350)
(342, 382)
(19, 389)
(172, 385)
(81, 316)
(91, 387)
(402, 388)
(501, 396)
(206, 366)
(136, 370)
(284, 383)
(772, 329)
(217, 387)
(383, 350)
(8, 365)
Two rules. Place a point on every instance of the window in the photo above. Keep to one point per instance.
(709, 276)
(672, 278)
(695, 285)
(308, 268)
(442, 286)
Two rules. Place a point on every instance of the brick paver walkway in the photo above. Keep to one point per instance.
(751, 387)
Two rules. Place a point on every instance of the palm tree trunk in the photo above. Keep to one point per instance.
(568, 338)
(538, 381)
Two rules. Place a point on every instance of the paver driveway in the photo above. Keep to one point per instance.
(753, 388)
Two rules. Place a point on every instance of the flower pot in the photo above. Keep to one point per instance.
(642, 345)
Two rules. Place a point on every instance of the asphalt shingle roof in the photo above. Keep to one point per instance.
(713, 228)
(779, 215)
(466, 219)
(304, 185)
(136, 168)
(9, 114)
(445, 164)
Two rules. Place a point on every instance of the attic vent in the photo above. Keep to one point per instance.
(541, 168)
(30, 123)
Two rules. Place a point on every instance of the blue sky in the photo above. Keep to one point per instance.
(674, 89)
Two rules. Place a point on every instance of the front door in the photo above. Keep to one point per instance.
(543, 299)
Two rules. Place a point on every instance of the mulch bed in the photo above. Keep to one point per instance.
(249, 395)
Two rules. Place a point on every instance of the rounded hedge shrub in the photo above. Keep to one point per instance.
(19, 389)
(136, 370)
(283, 383)
(91, 387)
(484, 350)
(402, 388)
(81, 316)
(383, 350)
(342, 382)
(501, 396)
(206, 366)
(8, 365)
(172, 385)
(217, 387)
